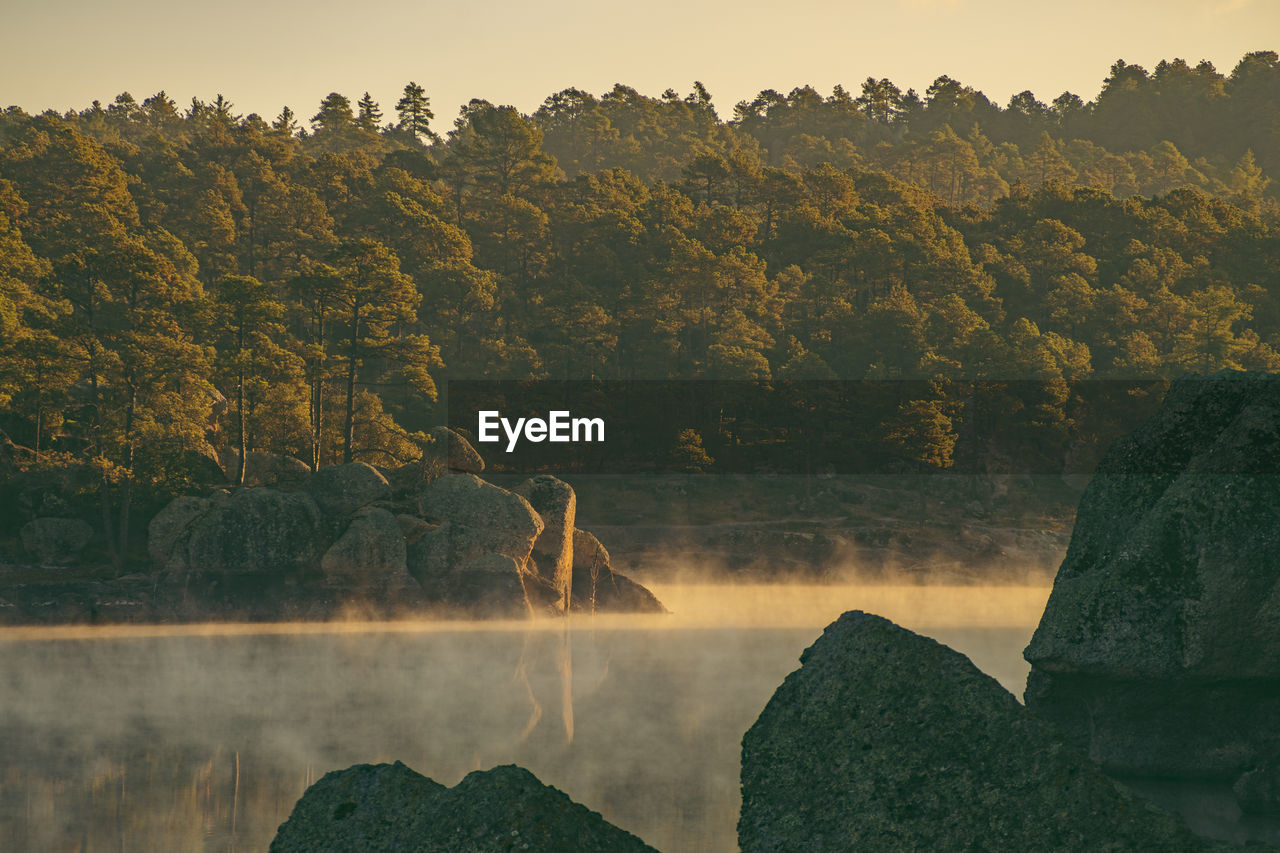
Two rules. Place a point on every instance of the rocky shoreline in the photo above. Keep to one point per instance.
(429, 538)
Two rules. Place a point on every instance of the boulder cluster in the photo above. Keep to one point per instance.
(427, 534)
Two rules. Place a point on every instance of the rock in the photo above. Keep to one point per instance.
(490, 585)
(885, 740)
(589, 554)
(171, 523)
(204, 464)
(1159, 649)
(413, 528)
(388, 808)
(56, 540)
(411, 478)
(365, 807)
(458, 454)
(254, 531)
(612, 592)
(481, 519)
(453, 568)
(340, 490)
(557, 505)
(598, 588)
(447, 453)
(370, 554)
(267, 469)
(1258, 791)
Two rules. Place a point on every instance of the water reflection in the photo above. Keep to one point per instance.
(201, 738)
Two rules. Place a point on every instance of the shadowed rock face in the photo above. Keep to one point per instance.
(55, 539)
(1159, 649)
(370, 554)
(885, 740)
(255, 531)
(168, 526)
(388, 808)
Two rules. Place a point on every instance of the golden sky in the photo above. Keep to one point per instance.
(263, 54)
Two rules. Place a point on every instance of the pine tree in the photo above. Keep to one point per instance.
(414, 108)
(369, 114)
(334, 115)
(286, 124)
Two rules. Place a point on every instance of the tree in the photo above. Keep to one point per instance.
(374, 301)
(334, 115)
(414, 108)
(369, 114)
(286, 124)
(246, 319)
(1209, 343)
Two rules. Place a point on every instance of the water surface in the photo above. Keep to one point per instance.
(202, 737)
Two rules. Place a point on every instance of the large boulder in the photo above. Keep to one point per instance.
(56, 540)
(454, 451)
(266, 469)
(388, 808)
(171, 523)
(885, 740)
(447, 453)
(253, 531)
(204, 465)
(340, 490)
(476, 518)
(1159, 649)
(597, 588)
(490, 585)
(554, 501)
(369, 555)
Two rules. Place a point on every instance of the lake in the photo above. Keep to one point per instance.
(202, 737)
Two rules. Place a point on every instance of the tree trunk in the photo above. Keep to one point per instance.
(351, 388)
(240, 463)
(126, 488)
(104, 488)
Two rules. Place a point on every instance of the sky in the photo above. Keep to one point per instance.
(263, 54)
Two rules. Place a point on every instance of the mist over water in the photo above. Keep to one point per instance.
(203, 737)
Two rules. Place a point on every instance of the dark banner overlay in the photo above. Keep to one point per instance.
(798, 428)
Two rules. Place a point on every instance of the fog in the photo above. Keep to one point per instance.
(202, 737)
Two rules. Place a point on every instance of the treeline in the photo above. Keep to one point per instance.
(171, 277)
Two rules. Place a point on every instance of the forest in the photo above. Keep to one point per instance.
(181, 279)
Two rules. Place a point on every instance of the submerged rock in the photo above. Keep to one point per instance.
(885, 740)
(1159, 649)
(389, 808)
